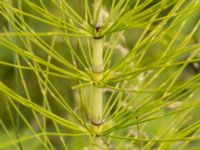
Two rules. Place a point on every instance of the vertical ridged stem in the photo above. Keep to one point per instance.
(98, 68)
(96, 108)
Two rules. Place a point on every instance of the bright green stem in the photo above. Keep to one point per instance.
(97, 94)
(98, 68)
(97, 12)
(96, 107)
(97, 65)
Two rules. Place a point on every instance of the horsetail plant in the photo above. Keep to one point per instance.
(100, 75)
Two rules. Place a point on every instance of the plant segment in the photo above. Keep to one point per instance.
(97, 69)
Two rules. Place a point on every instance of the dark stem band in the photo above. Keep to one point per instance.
(97, 37)
(96, 124)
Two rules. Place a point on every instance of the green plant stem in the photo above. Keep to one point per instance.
(97, 68)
